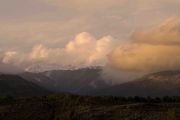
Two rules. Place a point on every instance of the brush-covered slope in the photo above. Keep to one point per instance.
(14, 85)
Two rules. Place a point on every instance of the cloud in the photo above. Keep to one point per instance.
(39, 52)
(150, 50)
(85, 4)
(85, 50)
(167, 33)
(9, 69)
(94, 6)
(54, 22)
(24, 35)
(8, 56)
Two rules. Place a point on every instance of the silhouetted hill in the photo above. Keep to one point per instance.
(13, 85)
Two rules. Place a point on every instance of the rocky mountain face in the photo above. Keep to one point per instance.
(13, 85)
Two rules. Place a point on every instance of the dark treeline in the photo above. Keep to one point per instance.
(113, 99)
(69, 99)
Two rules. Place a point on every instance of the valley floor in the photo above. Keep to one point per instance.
(67, 107)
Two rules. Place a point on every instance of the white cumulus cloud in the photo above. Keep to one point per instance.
(85, 50)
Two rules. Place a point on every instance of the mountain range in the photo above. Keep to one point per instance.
(88, 81)
(79, 81)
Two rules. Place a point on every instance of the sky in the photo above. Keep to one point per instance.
(128, 35)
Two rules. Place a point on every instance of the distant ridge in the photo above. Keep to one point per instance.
(88, 81)
(13, 85)
(164, 83)
(77, 81)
